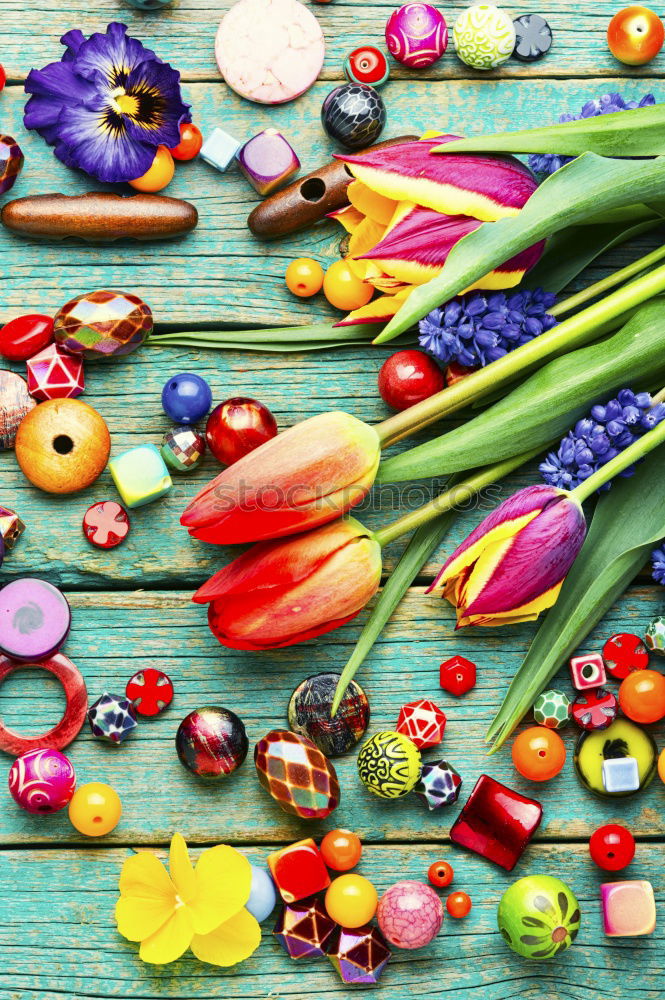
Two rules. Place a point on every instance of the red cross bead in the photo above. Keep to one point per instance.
(106, 524)
(150, 691)
(623, 653)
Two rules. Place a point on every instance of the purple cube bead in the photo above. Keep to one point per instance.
(11, 162)
(267, 161)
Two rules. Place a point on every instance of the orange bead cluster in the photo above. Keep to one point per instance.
(458, 903)
(305, 277)
(161, 171)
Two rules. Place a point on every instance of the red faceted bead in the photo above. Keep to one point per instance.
(612, 847)
(55, 374)
(150, 691)
(623, 653)
(408, 377)
(423, 722)
(25, 336)
(238, 426)
(106, 524)
(457, 675)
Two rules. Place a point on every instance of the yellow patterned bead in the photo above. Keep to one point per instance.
(389, 765)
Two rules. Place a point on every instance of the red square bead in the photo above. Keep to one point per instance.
(496, 822)
(457, 675)
(298, 870)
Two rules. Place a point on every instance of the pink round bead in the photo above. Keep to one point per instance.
(42, 781)
(410, 914)
(417, 35)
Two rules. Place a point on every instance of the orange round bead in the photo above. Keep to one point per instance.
(661, 766)
(341, 850)
(458, 904)
(304, 277)
(539, 753)
(440, 874)
(95, 809)
(158, 175)
(642, 696)
(190, 143)
(343, 290)
(351, 900)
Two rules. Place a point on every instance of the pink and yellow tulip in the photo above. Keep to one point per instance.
(512, 566)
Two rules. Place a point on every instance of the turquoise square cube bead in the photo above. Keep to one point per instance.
(219, 149)
(140, 475)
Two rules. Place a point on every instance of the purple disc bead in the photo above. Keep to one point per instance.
(34, 619)
(42, 781)
(417, 35)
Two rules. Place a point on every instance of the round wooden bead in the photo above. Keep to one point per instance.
(150, 691)
(42, 781)
(211, 742)
(15, 403)
(106, 524)
(62, 446)
(69, 726)
(34, 619)
(102, 324)
(309, 714)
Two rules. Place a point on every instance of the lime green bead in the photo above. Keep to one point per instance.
(140, 475)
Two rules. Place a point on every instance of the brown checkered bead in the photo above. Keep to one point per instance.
(11, 162)
(297, 775)
(103, 324)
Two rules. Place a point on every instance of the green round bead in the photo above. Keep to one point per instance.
(389, 765)
(484, 36)
(552, 709)
(539, 916)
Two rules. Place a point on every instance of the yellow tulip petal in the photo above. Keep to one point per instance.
(515, 616)
(144, 876)
(371, 204)
(349, 217)
(170, 941)
(507, 529)
(181, 868)
(137, 919)
(223, 884)
(366, 236)
(232, 942)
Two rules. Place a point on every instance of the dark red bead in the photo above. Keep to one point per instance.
(457, 675)
(408, 377)
(623, 653)
(238, 426)
(496, 822)
(612, 847)
(106, 524)
(25, 336)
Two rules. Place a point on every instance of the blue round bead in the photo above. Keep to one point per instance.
(148, 4)
(186, 398)
(262, 896)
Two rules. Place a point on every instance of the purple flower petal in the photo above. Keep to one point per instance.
(113, 55)
(98, 149)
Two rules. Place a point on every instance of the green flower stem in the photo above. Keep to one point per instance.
(638, 449)
(611, 281)
(586, 325)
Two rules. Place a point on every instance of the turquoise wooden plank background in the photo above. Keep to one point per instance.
(131, 607)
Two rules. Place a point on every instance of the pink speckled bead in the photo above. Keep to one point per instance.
(417, 35)
(42, 781)
(410, 914)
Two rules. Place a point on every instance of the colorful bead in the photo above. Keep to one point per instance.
(408, 377)
(366, 65)
(440, 874)
(457, 675)
(219, 149)
(423, 722)
(304, 929)
(268, 161)
(417, 35)
(11, 527)
(587, 671)
(211, 742)
(642, 696)
(595, 709)
(95, 809)
(623, 653)
(599, 756)
(11, 162)
(150, 691)
(359, 956)
(25, 336)
(304, 277)
(341, 850)
(191, 140)
(42, 781)
(539, 916)
(389, 765)
(262, 895)
(612, 847)
(296, 774)
(538, 753)
(106, 524)
(183, 449)
(439, 785)
(496, 822)
(186, 398)
(298, 871)
(410, 914)
(351, 900)
(629, 908)
(552, 709)
(533, 37)
(343, 289)
(484, 36)
(15, 403)
(55, 374)
(112, 718)
(158, 175)
(654, 636)
(353, 115)
(140, 475)
(34, 619)
(238, 426)
(458, 904)
(103, 324)
(309, 714)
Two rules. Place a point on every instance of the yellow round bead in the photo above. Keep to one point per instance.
(351, 900)
(159, 173)
(95, 809)
(304, 277)
(343, 289)
(661, 765)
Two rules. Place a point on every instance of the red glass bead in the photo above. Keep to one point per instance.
(612, 847)
(190, 143)
(238, 426)
(408, 377)
(3, 78)
(440, 874)
(623, 653)
(595, 709)
(341, 850)
(458, 904)
(25, 336)
(55, 374)
(298, 870)
(457, 675)
(150, 691)
(423, 722)
(367, 65)
(496, 822)
(106, 524)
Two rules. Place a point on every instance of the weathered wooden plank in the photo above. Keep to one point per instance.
(58, 937)
(115, 634)
(184, 33)
(221, 273)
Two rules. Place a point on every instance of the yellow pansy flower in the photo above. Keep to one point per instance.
(202, 907)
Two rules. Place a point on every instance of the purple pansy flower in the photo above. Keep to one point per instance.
(107, 105)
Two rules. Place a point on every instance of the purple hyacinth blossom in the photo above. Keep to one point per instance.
(658, 565)
(107, 105)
